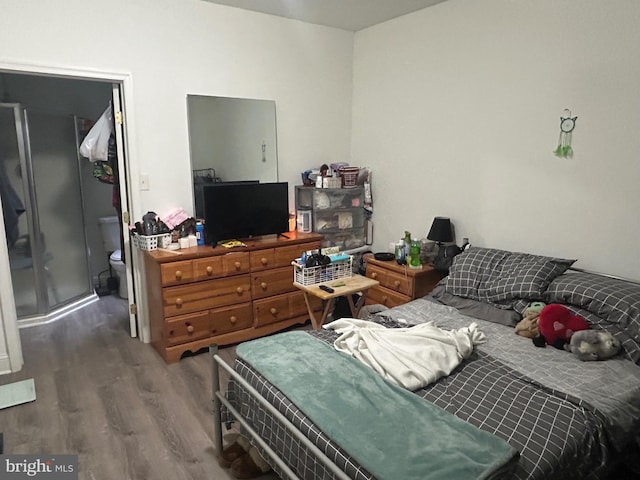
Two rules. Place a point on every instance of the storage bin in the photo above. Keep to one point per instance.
(323, 273)
(151, 242)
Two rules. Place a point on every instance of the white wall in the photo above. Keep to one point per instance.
(175, 47)
(456, 109)
(171, 48)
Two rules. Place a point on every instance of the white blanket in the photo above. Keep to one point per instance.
(411, 357)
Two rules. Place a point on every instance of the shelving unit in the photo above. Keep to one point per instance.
(337, 213)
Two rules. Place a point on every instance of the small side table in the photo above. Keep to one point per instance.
(353, 284)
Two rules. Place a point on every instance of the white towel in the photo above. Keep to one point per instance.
(411, 357)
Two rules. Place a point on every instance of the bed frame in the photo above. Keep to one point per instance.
(219, 400)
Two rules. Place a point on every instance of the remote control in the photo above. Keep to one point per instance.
(326, 289)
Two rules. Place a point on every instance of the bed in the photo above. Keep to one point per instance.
(562, 417)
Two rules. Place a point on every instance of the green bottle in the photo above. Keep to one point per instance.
(415, 254)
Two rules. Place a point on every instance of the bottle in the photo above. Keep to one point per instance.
(407, 245)
(200, 233)
(400, 253)
(414, 253)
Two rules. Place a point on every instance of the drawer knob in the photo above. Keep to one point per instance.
(263, 285)
(233, 319)
(190, 328)
(396, 283)
(273, 310)
(178, 302)
(178, 274)
(171, 333)
(385, 299)
(238, 265)
(239, 290)
(209, 270)
(264, 261)
(374, 275)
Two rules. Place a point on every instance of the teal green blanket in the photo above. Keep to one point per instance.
(390, 431)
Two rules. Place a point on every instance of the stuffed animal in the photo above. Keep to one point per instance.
(557, 324)
(590, 345)
(528, 326)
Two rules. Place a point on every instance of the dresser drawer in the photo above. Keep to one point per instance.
(230, 319)
(285, 255)
(399, 283)
(282, 307)
(272, 282)
(205, 268)
(186, 328)
(262, 259)
(279, 257)
(236, 263)
(393, 280)
(174, 273)
(385, 296)
(204, 295)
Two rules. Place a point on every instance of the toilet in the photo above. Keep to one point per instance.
(110, 230)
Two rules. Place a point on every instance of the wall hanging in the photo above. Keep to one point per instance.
(567, 124)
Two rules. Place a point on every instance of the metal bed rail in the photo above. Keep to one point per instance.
(219, 400)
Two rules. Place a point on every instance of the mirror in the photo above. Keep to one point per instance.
(231, 140)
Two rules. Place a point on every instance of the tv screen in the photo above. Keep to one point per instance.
(244, 210)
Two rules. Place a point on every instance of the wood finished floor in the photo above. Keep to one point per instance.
(113, 401)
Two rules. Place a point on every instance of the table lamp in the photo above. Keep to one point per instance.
(440, 231)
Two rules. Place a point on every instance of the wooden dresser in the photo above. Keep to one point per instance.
(398, 283)
(203, 295)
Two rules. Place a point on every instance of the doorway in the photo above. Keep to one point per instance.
(59, 231)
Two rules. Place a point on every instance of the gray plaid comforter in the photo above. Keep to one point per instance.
(568, 419)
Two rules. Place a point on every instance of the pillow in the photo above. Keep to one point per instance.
(476, 309)
(501, 277)
(521, 275)
(614, 300)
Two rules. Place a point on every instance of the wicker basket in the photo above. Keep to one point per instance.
(151, 242)
(324, 273)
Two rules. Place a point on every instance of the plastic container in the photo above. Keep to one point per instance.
(349, 176)
(340, 268)
(151, 242)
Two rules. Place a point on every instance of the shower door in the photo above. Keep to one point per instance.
(42, 211)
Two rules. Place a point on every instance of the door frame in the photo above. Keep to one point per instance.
(129, 198)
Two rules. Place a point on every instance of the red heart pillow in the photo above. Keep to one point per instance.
(557, 324)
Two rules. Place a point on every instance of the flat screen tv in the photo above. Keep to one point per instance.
(245, 210)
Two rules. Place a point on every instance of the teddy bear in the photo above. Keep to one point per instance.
(241, 458)
(589, 345)
(557, 324)
(528, 326)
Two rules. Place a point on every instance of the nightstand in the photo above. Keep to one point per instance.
(398, 283)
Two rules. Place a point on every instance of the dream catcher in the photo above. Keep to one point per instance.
(567, 124)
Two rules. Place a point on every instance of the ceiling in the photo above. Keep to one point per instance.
(350, 15)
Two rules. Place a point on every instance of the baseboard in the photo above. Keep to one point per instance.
(5, 364)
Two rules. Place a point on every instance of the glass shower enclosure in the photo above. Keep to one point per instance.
(41, 195)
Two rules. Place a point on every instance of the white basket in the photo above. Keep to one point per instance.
(324, 273)
(151, 242)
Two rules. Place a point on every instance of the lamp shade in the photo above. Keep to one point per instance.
(440, 230)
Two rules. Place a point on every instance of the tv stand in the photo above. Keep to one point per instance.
(201, 295)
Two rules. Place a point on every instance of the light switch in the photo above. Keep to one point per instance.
(144, 181)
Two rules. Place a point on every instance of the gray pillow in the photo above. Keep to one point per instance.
(475, 308)
(503, 278)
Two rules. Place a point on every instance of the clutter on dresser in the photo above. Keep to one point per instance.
(174, 231)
